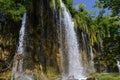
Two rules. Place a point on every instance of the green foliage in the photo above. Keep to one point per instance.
(58, 3)
(81, 18)
(81, 7)
(69, 4)
(13, 9)
(114, 76)
(98, 4)
(52, 4)
(112, 4)
(100, 30)
(109, 77)
(107, 34)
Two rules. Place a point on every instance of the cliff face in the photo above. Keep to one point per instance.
(42, 35)
(41, 38)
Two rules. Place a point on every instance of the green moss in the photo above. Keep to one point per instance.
(107, 76)
(52, 4)
(58, 3)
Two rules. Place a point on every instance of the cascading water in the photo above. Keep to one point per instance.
(118, 64)
(92, 60)
(75, 68)
(21, 36)
(18, 59)
(84, 41)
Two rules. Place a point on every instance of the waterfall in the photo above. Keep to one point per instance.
(84, 41)
(75, 68)
(21, 36)
(92, 60)
(18, 59)
(118, 65)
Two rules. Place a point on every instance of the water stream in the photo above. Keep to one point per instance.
(92, 60)
(18, 58)
(75, 68)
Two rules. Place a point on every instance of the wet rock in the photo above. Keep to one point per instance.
(91, 78)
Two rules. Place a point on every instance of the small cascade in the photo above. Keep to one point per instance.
(18, 58)
(75, 68)
(118, 65)
(84, 41)
(21, 36)
(92, 60)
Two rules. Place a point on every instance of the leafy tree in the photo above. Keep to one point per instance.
(81, 18)
(111, 4)
(14, 9)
